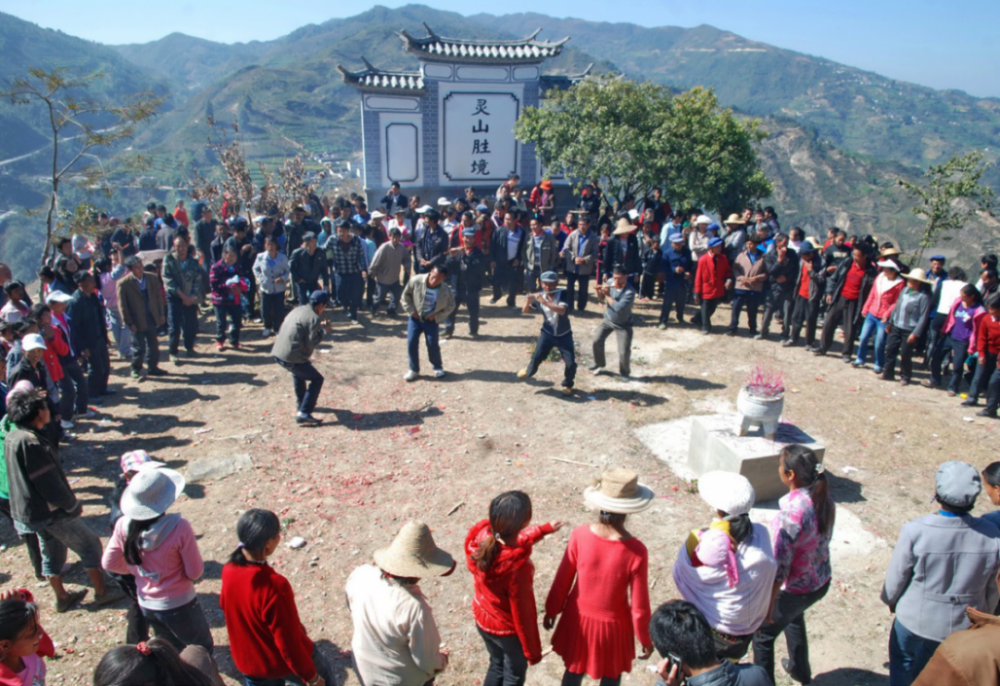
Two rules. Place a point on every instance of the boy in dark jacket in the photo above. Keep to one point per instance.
(651, 257)
(810, 287)
(782, 266)
(468, 263)
(676, 266)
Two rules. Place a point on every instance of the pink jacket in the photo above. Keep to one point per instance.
(171, 562)
(977, 317)
(882, 297)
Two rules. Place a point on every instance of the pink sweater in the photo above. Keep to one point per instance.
(171, 562)
(882, 297)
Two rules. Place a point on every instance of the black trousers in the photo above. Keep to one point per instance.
(272, 307)
(751, 301)
(848, 312)
(707, 309)
(145, 347)
(564, 344)
(647, 286)
(181, 320)
(781, 302)
(507, 278)
(508, 665)
(805, 311)
(578, 300)
(790, 618)
(471, 301)
(98, 370)
(235, 316)
(935, 339)
(674, 298)
(898, 345)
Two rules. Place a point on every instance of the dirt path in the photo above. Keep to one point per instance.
(392, 451)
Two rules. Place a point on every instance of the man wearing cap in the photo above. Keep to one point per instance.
(140, 300)
(307, 266)
(467, 266)
(349, 263)
(676, 266)
(942, 564)
(298, 337)
(427, 300)
(713, 278)
(396, 640)
(394, 198)
(509, 245)
(66, 366)
(580, 253)
(698, 239)
(782, 266)
(556, 331)
(89, 334)
(618, 297)
(623, 249)
(430, 244)
(389, 259)
(297, 226)
(540, 254)
(734, 242)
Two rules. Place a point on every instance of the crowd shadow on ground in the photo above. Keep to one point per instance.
(376, 421)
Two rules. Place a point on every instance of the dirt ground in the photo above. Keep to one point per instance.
(439, 450)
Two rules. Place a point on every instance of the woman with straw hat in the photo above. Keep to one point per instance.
(601, 587)
(906, 326)
(161, 552)
(396, 641)
(727, 571)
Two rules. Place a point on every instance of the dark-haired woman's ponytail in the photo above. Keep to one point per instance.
(255, 528)
(486, 552)
(237, 557)
(819, 491)
(509, 512)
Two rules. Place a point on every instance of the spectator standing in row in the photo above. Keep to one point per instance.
(183, 279)
(140, 300)
(272, 274)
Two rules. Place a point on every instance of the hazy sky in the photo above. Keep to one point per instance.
(939, 43)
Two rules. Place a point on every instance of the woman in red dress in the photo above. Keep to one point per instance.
(608, 605)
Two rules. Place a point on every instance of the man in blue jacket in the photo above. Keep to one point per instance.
(676, 267)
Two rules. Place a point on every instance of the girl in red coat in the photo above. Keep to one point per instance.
(607, 607)
(498, 553)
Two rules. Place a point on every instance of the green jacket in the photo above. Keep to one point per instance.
(416, 290)
(6, 426)
(184, 277)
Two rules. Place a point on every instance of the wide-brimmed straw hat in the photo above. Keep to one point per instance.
(414, 554)
(620, 492)
(727, 492)
(917, 274)
(889, 252)
(624, 226)
(735, 219)
(151, 493)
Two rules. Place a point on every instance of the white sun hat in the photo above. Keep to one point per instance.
(620, 492)
(151, 493)
(726, 491)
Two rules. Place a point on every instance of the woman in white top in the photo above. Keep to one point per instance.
(731, 585)
(396, 640)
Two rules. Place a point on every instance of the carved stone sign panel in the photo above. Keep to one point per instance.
(478, 135)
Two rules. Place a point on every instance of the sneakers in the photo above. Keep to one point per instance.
(66, 424)
(788, 343)
(138, 375)
(410, 376)
(89, 414)
(174, 358)
(220, 346)
(992, 414)
(760, 337)
(566, 390)
(594, 369)
(969, 402)
(110, 595)
(438, 373)
(303, 419)
(661, 325)
(523, 374)
(857, 363)
(236, 346)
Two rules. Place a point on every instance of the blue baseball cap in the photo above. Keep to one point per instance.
(320, 297)
(676, 238)
(712, 242)
(469, 232)
(549, 277)
(939, 258)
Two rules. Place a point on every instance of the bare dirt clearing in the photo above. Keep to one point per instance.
(390, 451)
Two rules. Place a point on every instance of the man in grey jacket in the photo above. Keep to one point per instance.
(298, 337)
(428, 300)
(942, 564)
(540, 255)
(618, 298)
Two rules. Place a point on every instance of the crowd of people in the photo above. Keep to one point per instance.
(741, 584)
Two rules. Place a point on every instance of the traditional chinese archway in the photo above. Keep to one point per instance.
(450, 124)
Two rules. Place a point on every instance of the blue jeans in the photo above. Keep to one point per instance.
(59, 534)
(564, 344)
(873, 326)
(182, 626)
(384, 291)
(319, 662)
(308, 383)
(235, 315)
(908, 655)
(120, 332)
(508, 665)
(349, 287)
(414, 328)
(303, 290)
(959, 351)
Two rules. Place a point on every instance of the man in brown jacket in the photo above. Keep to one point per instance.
(970, 657)
(143, 310)
(749, 276)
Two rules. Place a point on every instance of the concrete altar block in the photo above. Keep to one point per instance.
(716, 445)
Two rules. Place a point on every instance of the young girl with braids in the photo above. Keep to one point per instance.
(498, 553)
(266, 638)
(800, 536)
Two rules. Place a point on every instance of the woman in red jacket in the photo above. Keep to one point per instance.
(267, 641)
(498, 553)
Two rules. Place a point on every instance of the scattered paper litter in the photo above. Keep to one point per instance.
(968, 419)
(848, 470)
(203, 431)
(297, 542)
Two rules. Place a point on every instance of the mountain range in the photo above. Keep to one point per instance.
(840, 136)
